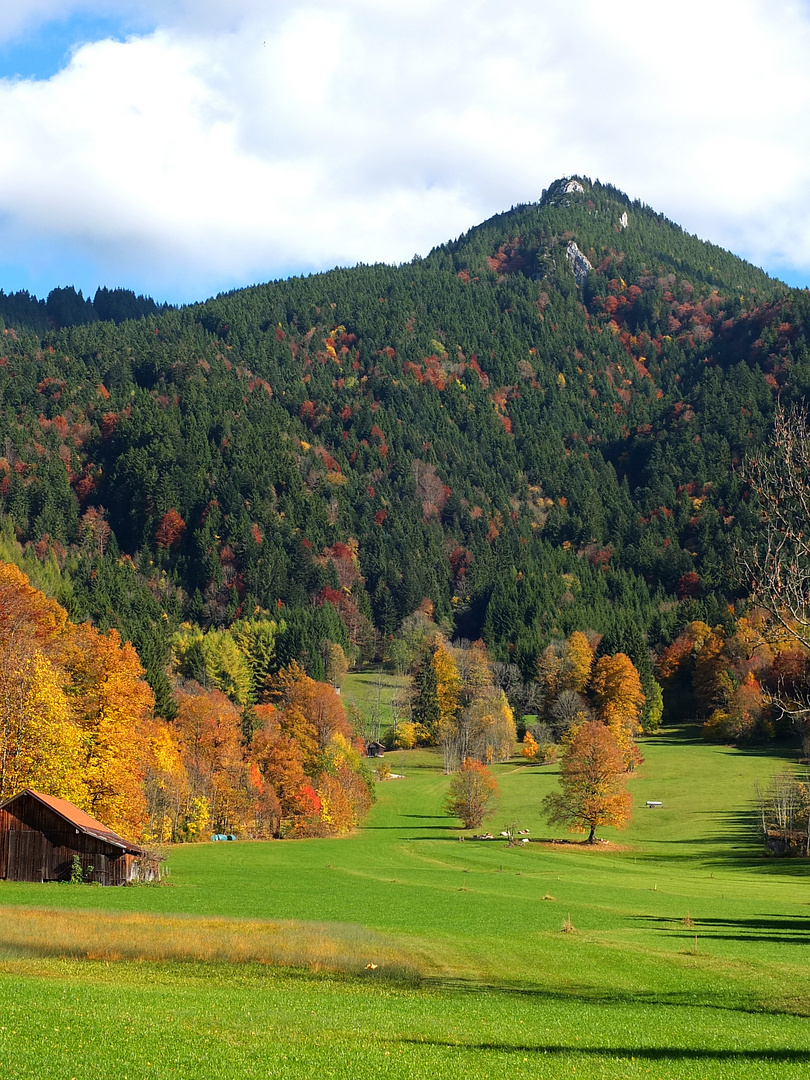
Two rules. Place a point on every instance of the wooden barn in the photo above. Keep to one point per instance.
(40, 836)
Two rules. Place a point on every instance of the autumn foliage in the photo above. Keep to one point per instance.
(473, 794)
(618, 696)
(169, 530)
(72, 700)
(592, 779)
(77, 721)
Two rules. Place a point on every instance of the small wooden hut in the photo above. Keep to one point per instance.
(41, 837)
(375, 749)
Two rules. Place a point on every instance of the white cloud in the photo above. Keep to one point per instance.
(239, 141)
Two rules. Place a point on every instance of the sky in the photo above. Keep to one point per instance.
(182, 148)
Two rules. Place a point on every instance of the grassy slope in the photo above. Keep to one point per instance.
(501, 991)
(371, 692)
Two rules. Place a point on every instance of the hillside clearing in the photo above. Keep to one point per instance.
(686, 958)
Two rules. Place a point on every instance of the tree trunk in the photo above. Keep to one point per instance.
(590, 839)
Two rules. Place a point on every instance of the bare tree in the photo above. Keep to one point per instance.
(775, 566)
(567, 708)
(525, 698)
(784, 809)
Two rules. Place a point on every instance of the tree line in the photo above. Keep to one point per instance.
(77, 720)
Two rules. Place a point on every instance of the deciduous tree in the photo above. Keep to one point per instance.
(210, 731)
(576, 663)
(618, 696)
(592, 778)
(775, 565)
(109, 700)
(39, 746)
(473, 794)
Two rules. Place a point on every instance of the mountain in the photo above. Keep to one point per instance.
(533, 429)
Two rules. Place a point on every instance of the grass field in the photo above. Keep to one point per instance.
(688, 957)
(372, 692)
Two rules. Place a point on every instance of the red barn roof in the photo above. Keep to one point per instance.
(80, 820)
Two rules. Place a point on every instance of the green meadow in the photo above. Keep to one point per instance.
(372, 693)
(403, 951)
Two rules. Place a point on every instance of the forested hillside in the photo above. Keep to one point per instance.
(533, 446)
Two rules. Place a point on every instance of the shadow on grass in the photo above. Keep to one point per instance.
(692, 735)
(735, 845)
(404, 828)
(593, 995)
(635, 1053)
(765, 928)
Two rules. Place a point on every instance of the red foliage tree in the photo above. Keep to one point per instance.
(689, 586)
(170, 528)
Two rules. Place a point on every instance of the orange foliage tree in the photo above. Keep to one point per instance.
(304, 750)
(210, 732)
(473, 794)
(312, 711)
(530, 746)
(592, 778)
(344, 789)
(738, 719)
(280, 761)
(27, 617)
(683, 651)
(170, 528)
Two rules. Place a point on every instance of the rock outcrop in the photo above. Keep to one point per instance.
(579, 263)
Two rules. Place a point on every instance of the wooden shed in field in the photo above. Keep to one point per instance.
(40, 837)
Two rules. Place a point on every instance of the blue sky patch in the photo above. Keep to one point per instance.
(46, 49)
(797, 279)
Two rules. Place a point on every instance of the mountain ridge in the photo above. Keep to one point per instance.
(561, 455)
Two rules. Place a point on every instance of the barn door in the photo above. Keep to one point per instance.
(26, 856)
(101, 872)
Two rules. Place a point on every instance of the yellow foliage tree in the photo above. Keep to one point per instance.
(576, 663)
(165, 783)
(448, 684)
(32, 707)
(448, 694)
(109, 700)
(405, 737)
(616, 687)
(39, 747)
(707, 675)
(474, 671)
(491, 728)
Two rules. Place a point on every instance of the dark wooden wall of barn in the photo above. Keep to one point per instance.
(36, 844)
